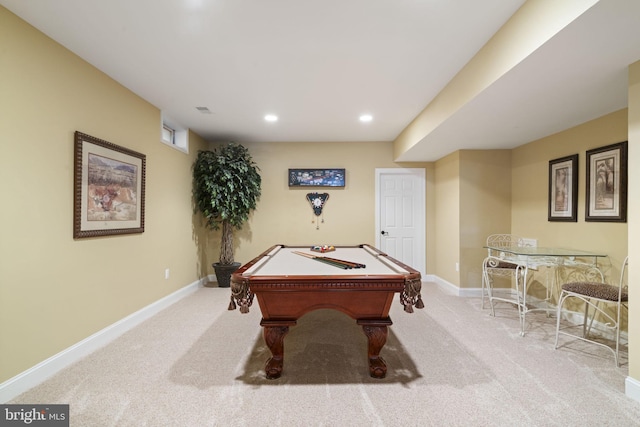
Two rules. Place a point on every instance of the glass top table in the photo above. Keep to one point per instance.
(544, 251)
(532, 257)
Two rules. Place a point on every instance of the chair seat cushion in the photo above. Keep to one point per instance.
(500, 264)
(596, 290)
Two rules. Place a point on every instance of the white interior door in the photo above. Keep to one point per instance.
(400, 215)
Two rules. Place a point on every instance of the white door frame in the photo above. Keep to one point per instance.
(421, 195)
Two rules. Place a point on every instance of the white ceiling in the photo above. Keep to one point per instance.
(318, 65)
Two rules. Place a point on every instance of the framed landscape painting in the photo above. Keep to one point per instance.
(109, 183)
(563, 189)
(606, 190)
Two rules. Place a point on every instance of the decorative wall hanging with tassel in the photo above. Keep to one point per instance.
(317, 202)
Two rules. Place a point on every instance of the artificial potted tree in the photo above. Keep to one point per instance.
(226, 188)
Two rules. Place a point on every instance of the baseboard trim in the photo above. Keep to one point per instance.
(632, 389)
(49, 367)
(445, 286)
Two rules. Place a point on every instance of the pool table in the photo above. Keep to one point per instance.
(289, 283)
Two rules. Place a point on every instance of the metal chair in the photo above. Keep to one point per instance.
(500, 241)
(498, 263)
(501, 263)
(594, 292)
(493, 267)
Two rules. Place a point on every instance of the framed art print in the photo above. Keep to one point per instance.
(606, 189)
(563, 189)
(109, 183)
(316, 177)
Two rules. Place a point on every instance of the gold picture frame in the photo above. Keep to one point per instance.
(109, 186)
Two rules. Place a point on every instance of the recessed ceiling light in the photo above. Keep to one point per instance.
(271, 118)
(366, 118)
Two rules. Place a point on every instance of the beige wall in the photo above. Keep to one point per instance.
(472, 200)
(447, 212)
(284, 215)
(634, 220)
(56, 291)
(530, 178)
(485, 207)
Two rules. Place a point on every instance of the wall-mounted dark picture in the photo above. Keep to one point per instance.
(109, 183)
(563, 189)
(606, 190)
(316, 177)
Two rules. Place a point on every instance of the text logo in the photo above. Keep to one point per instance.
(34, 415)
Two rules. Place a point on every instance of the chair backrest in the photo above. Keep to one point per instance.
(583, 273)
(623, 285)
(503, 241)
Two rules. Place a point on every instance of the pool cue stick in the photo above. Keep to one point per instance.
(349, 264)
(352, 264)
(323, 259)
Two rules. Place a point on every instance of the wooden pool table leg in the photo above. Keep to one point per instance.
(376, 332)
(274, 333)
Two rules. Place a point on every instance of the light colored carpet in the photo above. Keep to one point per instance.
(197, 364)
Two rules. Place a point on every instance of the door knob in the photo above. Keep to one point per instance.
(384, 233)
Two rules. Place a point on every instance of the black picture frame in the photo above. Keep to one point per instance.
(317, 177)
(563, 189)
(606, 185)
(109, 187)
